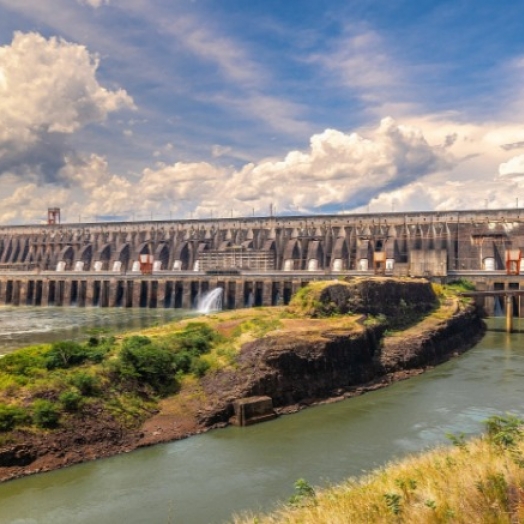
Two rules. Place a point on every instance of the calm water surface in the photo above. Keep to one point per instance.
(206, 478)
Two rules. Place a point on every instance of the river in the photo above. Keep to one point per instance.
(206, 478)
(20, 326)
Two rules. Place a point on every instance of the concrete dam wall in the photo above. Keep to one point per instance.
(257, 261)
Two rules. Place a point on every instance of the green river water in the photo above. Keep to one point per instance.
(206, 478)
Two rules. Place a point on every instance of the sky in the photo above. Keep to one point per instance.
(158, 109)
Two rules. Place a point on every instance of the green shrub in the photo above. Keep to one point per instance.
(23, 361)
(66, 354)
(11, 416)
(87, 384)
(504, 431)
(45, 414)
(199, 367)
(142, 360)
(196, 337)
(182, 361)
(71, 400)
(462, 284)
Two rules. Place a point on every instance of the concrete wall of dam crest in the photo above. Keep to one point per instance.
(415, 244)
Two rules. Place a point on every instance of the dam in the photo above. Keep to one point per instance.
(259, 261)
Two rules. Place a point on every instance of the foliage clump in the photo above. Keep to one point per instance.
(321, 300)
(58, 382)
(46, 414)
(11, 416)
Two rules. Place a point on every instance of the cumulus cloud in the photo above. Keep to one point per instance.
(514, 166)
(337, 169)
(48, 90)
(342, 168)
(392, 167)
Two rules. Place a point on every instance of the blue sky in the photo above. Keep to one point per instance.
(134, 108)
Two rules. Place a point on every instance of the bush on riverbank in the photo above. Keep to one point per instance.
(51, 385)
(481, 481)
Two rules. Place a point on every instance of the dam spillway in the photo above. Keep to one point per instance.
(255, 260)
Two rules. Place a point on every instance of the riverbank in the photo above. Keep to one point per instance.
(259, 352)
(477, 481)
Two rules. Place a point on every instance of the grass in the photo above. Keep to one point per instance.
(481, 481)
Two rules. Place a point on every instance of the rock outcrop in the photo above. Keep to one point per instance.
(295, 368)
(299, 369)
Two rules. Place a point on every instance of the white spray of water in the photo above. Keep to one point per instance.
(210, 301)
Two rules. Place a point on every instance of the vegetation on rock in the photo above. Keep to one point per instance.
(124, 381)
(51, 385)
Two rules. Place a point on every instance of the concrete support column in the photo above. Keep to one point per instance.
(22, 292)
(90, 288)
(45, 292)
(2, 291)
(128, 293)
(113, 285)
(267, 292)
(67, 293)
(137, 289)
(280, 294)
(186, 294)
(509, 313)
(161, 294)
(239, 294)
(16, 293)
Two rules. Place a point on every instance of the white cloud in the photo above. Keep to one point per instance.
(338, 169)
(392, 167)
(48, 90)
(514, 166)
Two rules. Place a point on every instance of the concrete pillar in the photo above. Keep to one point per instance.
(129, 293)
(2, 291)
(509, 313)
(67, 292)
(90, 285)
(24, 284)
(161, 294)
(186, 294)
(45, 292)
(239, 294)
(137, 289)
(267, 293)
(113, 285)
(16, 293)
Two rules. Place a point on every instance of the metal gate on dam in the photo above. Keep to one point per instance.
(256, 260)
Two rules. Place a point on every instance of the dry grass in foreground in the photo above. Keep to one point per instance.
(481, 481)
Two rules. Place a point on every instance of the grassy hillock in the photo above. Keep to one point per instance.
(47, 387)
(481, 481)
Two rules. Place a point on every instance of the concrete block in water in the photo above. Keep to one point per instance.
(252, 410)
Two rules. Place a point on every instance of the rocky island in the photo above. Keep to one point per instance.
(67, 403)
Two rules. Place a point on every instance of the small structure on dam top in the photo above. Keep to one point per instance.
(255, 260)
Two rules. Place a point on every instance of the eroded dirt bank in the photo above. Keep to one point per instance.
(296, 367)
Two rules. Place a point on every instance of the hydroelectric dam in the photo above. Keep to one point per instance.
(257, 261)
